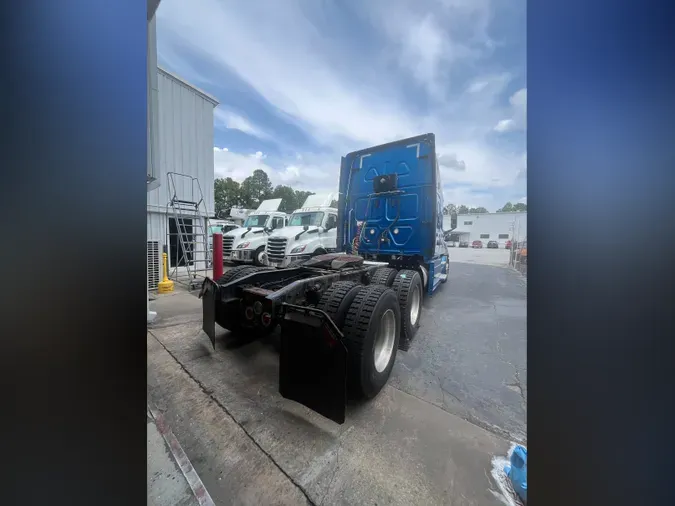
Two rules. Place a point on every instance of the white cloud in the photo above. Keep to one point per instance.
(234, 121)
(518, 120)
(282, 67)
(483, 168)
(315, 175)
(477, 86)
(236, 165)
(345, 100)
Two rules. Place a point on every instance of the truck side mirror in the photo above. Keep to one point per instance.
(453, 220)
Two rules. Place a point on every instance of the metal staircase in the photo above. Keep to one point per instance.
(188, 242)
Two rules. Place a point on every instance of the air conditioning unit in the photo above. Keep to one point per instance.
(153, 265)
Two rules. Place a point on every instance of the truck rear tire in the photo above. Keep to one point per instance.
(371, 334)
(408, 288)
(337, 299)
(384, 276)
(235, 273)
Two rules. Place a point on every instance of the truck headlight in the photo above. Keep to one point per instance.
(243, 245)
(299, 249)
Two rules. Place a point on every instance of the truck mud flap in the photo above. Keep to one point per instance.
(208, 296)
(313, 362)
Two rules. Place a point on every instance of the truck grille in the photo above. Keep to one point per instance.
(276, 248)
(227, 244)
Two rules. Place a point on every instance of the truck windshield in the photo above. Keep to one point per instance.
(256, 220)
(302, 219)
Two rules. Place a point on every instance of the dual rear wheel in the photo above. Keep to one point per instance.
(408, 286)
(369, 317)
(376, 320)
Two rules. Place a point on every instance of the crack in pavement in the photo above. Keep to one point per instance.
(467, 417)
(520, 388)
(444, 391)
(332, 478)
(209, 393)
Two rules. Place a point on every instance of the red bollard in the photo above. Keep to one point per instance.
(217, 256)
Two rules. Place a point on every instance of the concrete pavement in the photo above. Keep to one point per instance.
(166, 482)
(423, 440)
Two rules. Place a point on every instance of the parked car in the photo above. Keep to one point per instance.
(508, 244)
(450, 244)
(477, 244)
(493, 244)
(463, 244)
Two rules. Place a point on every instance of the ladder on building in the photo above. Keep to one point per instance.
(191, 260)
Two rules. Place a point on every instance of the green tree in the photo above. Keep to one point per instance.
(462, 209)
(477, 210)
(256, 188)
(289, 202)
(449, 208)
(513, 208)
(226, 193)
(508, 208)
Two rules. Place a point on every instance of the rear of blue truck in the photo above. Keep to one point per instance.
(343, 317)
(391, 207)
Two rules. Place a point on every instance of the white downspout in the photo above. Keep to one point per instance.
(153, 120)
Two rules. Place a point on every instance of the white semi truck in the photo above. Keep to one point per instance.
(311, 231)
(247, 243)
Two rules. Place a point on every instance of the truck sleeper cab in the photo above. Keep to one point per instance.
(391, 208)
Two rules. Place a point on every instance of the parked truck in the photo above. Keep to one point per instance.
(345, 315)
(311, 231)
(246, 244)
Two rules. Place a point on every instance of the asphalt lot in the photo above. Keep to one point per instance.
(456, 399)
(469, 356)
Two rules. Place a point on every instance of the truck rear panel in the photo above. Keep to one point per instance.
(401, 222)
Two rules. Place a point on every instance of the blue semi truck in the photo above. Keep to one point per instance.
(345, 315)
(391, 208)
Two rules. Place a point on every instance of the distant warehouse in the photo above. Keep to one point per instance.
(499, 227)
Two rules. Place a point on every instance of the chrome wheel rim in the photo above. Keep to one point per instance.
(415, 307)
(384, 340)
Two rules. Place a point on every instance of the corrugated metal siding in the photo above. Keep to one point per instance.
(185, 139)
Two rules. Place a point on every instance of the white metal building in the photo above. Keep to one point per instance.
(185, 146)
(498, 227)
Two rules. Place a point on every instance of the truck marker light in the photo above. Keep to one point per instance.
(257, 307)
(266, 319)
(249, 313)
(395, 231)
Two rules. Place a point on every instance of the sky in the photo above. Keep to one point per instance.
(303, 82)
